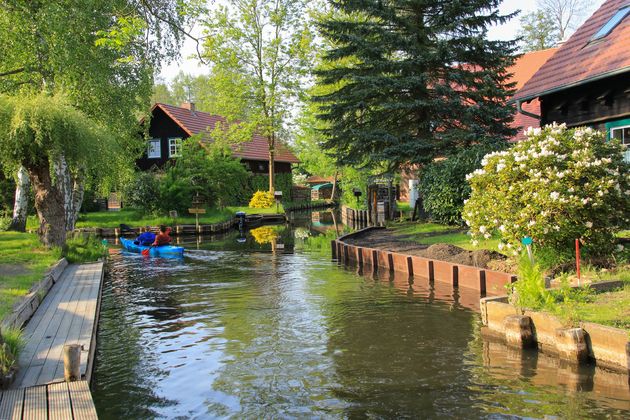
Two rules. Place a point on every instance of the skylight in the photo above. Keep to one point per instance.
(614, 21)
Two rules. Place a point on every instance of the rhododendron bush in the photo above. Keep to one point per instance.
(556, 186)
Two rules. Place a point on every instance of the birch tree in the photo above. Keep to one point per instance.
(266, 43)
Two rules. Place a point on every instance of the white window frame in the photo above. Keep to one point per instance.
(154, 152)
(624, 141)
(174, 147)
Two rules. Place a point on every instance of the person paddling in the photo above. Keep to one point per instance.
(146, 238)
(162, 238)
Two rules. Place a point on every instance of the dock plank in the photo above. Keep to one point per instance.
(11, 404)
(81, 399)
(68, 317)
(59, 407)
(35, 403)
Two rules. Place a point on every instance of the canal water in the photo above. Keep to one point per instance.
(267, 326)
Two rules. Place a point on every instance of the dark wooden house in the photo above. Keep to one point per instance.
(587, 81)
(171, 124)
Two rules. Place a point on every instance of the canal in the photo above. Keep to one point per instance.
(267, 326)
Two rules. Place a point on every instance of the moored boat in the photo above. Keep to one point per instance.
(165, 251)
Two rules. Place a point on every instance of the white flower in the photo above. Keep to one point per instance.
(554, 195)
(482, 229)
(588, 224)
(475, 242)
(487, 236)
(620, 248)
(502, 228)
(500, 167)
(500, 246)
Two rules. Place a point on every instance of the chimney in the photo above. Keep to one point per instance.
(188, 105)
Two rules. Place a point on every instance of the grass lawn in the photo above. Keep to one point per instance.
(135, 218)
(23, 262)
(433, 233)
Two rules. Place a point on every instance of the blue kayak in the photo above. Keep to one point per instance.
(165, 251)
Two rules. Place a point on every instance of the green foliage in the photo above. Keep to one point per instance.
(208, 173)
(82, 249)
(7, 192)
(12, 345)
(556, 186)
(538, 31)
(261, 200)
(443, 185)
(283, 182)
(143, 192)
(352, 179)
(413, 80)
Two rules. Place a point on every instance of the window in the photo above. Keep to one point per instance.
(612, 23)
(154, 151)
(622, 133)
(174, 147)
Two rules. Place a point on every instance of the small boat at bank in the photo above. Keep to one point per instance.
(165, 251)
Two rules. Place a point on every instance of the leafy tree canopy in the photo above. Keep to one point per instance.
(538, 31)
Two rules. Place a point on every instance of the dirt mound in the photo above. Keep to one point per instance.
(454, 254)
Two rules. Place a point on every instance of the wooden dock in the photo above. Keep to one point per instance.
(67, 315)
(62, 401)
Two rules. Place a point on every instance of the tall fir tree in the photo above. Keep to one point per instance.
(414, 79)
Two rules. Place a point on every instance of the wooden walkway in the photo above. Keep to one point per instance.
(59, 401)
(66, 316)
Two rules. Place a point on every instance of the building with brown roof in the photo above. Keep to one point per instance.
(522, 70)
(172, 124)
(587, 81)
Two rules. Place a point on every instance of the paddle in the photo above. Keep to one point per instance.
(146, 252)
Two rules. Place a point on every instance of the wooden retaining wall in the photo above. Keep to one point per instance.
(177, 230)
(485, 282)
(27, 306)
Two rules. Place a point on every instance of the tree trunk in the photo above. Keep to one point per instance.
(49, 203)
(334, 188)
(20, 207)
(272, 160)
(78, 191)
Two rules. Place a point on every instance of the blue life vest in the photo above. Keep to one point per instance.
(146, 238)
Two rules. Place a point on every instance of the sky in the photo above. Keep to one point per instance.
(505, 32)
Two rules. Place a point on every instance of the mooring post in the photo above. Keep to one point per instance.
(72, 362)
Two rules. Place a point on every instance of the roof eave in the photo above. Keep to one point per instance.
(570, 85)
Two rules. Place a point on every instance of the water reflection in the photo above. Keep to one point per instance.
(238, 330)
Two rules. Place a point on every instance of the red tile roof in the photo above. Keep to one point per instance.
(194, 122)
(522, 70)
(578, 60)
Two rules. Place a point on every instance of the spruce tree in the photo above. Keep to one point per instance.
(413, 79)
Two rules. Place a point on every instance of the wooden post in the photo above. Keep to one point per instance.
(72, 362)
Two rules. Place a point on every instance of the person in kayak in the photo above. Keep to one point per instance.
(146, 238)
(162, 238)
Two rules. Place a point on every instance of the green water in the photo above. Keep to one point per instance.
(237, 331)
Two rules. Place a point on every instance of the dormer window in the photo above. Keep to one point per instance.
(612, 23)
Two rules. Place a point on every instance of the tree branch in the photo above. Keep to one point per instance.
(16, 71)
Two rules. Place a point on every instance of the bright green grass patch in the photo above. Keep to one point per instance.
(23, 262)
(623, 234)
(82, 249)
(433, 233)
(609, 308)
(135, 218)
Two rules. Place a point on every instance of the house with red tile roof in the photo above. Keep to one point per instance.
(587, 81)
(169, 125)
(522, 70)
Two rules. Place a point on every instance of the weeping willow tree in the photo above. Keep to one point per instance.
(35, 133)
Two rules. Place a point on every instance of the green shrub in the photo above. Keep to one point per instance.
(261, 200)
(282, 182)
(443, 185)
(143, 192)
(10, 349)
(556, 186)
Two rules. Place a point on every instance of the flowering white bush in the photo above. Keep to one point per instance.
(556, 186)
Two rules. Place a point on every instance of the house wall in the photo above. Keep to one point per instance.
(162, 127)
(591, 104)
